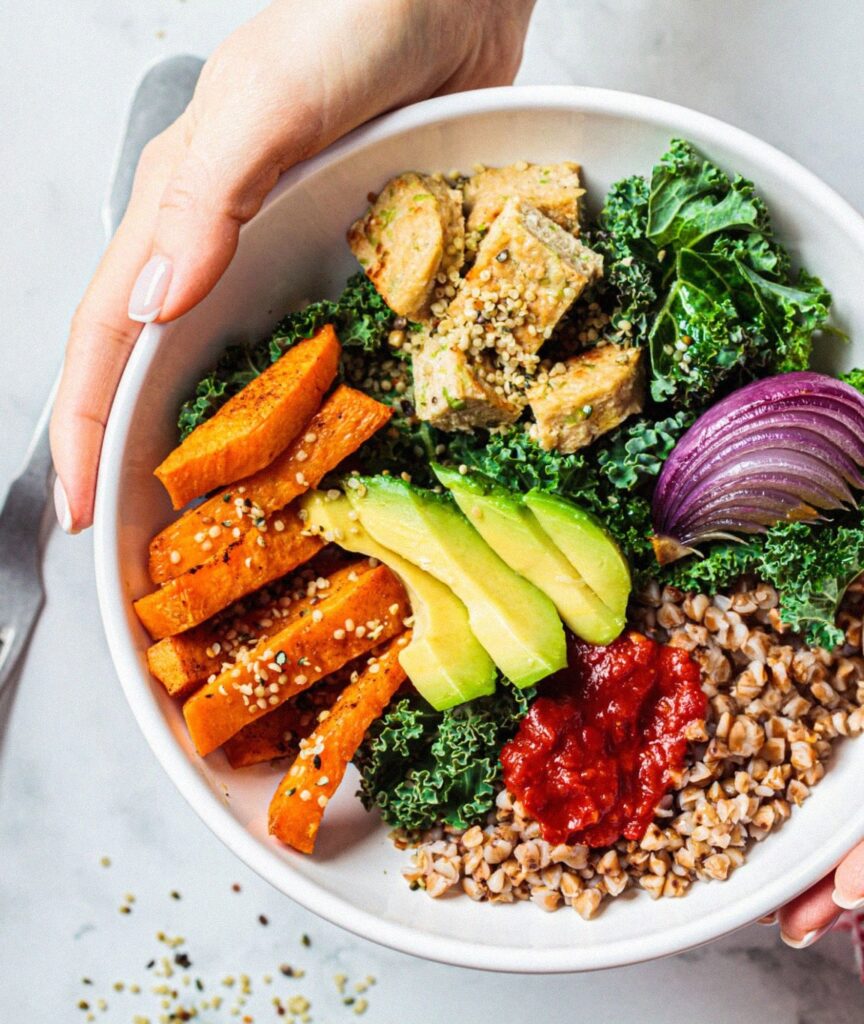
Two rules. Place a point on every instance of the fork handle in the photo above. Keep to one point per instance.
(27, 497)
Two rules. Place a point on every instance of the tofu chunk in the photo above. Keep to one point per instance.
(527, 274)
(452, 393)
(599, 389)
(554, 189)
(413, 230)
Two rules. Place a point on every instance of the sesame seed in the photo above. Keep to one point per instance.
(174, 557)
(305, 795)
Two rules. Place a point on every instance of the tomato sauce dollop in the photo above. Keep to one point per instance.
(598, 750)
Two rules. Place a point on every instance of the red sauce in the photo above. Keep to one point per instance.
(595, 753)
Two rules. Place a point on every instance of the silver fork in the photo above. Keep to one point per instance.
(22, 532)
(160, 98)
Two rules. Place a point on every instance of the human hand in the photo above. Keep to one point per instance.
(806, 919)
(282, 87)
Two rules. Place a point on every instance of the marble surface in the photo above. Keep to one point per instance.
(77, 781)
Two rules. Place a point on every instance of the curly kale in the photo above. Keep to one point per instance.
(631, 271)
(732, 309)
(361, 318)
(420, 767)
(693, 271)
(810, 565)
(634, 454)
(723, 563)
(855, 378)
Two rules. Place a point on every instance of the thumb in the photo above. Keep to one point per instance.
(206, 201)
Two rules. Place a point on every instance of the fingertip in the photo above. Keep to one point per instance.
(200, 252)
(150, 289)
(808, 938)
(806, 919)
(848, 891)
(61, 506)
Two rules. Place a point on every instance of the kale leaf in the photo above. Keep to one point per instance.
(361, 319)
(693, 272)
(732, 309)
(855, 378)
(420, 767)
(634, 454)
(810, 565)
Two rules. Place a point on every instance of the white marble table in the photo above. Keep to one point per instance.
(76, 779)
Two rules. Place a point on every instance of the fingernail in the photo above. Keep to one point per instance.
(808, 938)
(845, 903)
(61, 507)
(150, 289)
(768, 919)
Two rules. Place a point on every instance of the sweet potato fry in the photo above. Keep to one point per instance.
(345, 420)
(253, 561)
(298, 805)
(250, 430)
(181, 663)
(364, 613)
(278, 733)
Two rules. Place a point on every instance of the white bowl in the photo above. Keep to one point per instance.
(294, 250)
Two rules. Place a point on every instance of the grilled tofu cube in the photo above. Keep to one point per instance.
(452, 393)
(554, 189)
(599, 389)
(412, 231)
(527, 274)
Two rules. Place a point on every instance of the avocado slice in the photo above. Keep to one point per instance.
(586, 545)
(516, 623)
(509, 527)
(444, 660)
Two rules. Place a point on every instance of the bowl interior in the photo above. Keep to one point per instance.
(294, 251)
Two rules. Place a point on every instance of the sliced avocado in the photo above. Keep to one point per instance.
(586, 545)
(509, 528)
(515, 622)
(444, 660)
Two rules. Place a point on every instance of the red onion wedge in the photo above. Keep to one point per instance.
(783, 448)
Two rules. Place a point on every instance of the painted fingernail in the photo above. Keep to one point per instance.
(845, 902)
(61, 507)
(808, 938)
(150, 289)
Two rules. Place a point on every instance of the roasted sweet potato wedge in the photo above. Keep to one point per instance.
(256, 559)
(182, 663)
(278, 733)
(254, 426)
(362, 614)
(298, 804)
(345, 420)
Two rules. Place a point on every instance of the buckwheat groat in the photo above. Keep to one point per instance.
(554, 189)
(597, 390)
(412, 232)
